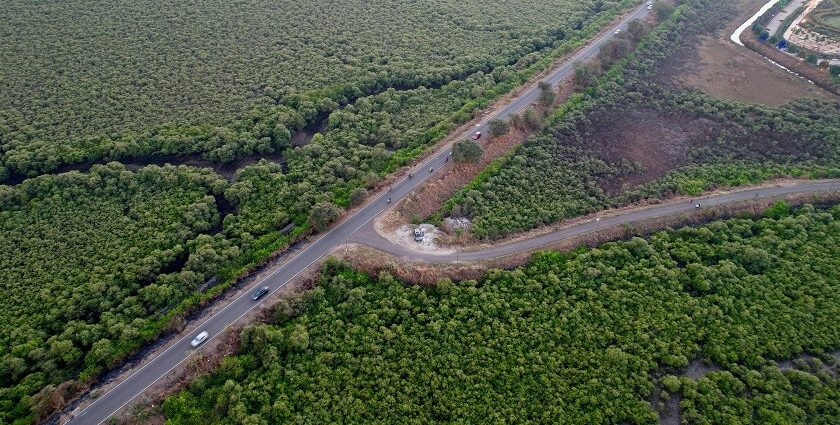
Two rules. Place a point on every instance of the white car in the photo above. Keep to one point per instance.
(199, 339)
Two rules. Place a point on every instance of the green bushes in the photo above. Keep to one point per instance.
(86, 262)
(584, 160)
(499, 128)
(762, 396)
(125, 82)
(467, 151)
(570, 338)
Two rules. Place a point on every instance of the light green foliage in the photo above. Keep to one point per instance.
(571, 338)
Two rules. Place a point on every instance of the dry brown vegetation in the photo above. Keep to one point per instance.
(716, 66)
(657, 141)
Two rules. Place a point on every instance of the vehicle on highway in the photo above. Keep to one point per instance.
(418, 235)
(477, 135)
(650, 6)
(618, 31)
(259, 293)
(199, 339)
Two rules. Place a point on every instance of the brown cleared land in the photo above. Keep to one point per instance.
(718, 67)
(656, 141)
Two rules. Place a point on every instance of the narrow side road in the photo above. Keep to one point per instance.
(368, 236)
(180, 350)
(736, 36)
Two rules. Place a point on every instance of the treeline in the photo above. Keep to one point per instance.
(130, 95)
(570, 338)
(567, 170)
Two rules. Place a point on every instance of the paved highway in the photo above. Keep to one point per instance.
(120, 395)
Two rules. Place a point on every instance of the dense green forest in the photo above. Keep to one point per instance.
(81, 258)
(116, 253)
(119, 262)
(594, 154)
(86, 81)
(569, 338)
(806, 395)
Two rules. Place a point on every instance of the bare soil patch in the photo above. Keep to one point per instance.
(656, 141)
(716, 66)
(428, 199)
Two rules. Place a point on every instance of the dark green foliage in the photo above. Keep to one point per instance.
(82, 261)
(662, 9)
(323, 215)
(358, 195)
(571, 338)
(547, 94)
(531, 119)
(467, 151)
(585, 74)
(766, 396)
(117, 101)
(613, 50)
(269, 204)
(164, 78)
(636, 29)
(112, 68)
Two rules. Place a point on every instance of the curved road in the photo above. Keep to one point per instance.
(120, 395)
(371, 238)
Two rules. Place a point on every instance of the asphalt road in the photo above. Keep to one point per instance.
(370, 238)
(120, 395)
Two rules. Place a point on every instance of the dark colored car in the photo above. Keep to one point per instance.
(259, 293)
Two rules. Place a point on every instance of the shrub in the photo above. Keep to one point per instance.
(467, 151)
(499, 128)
